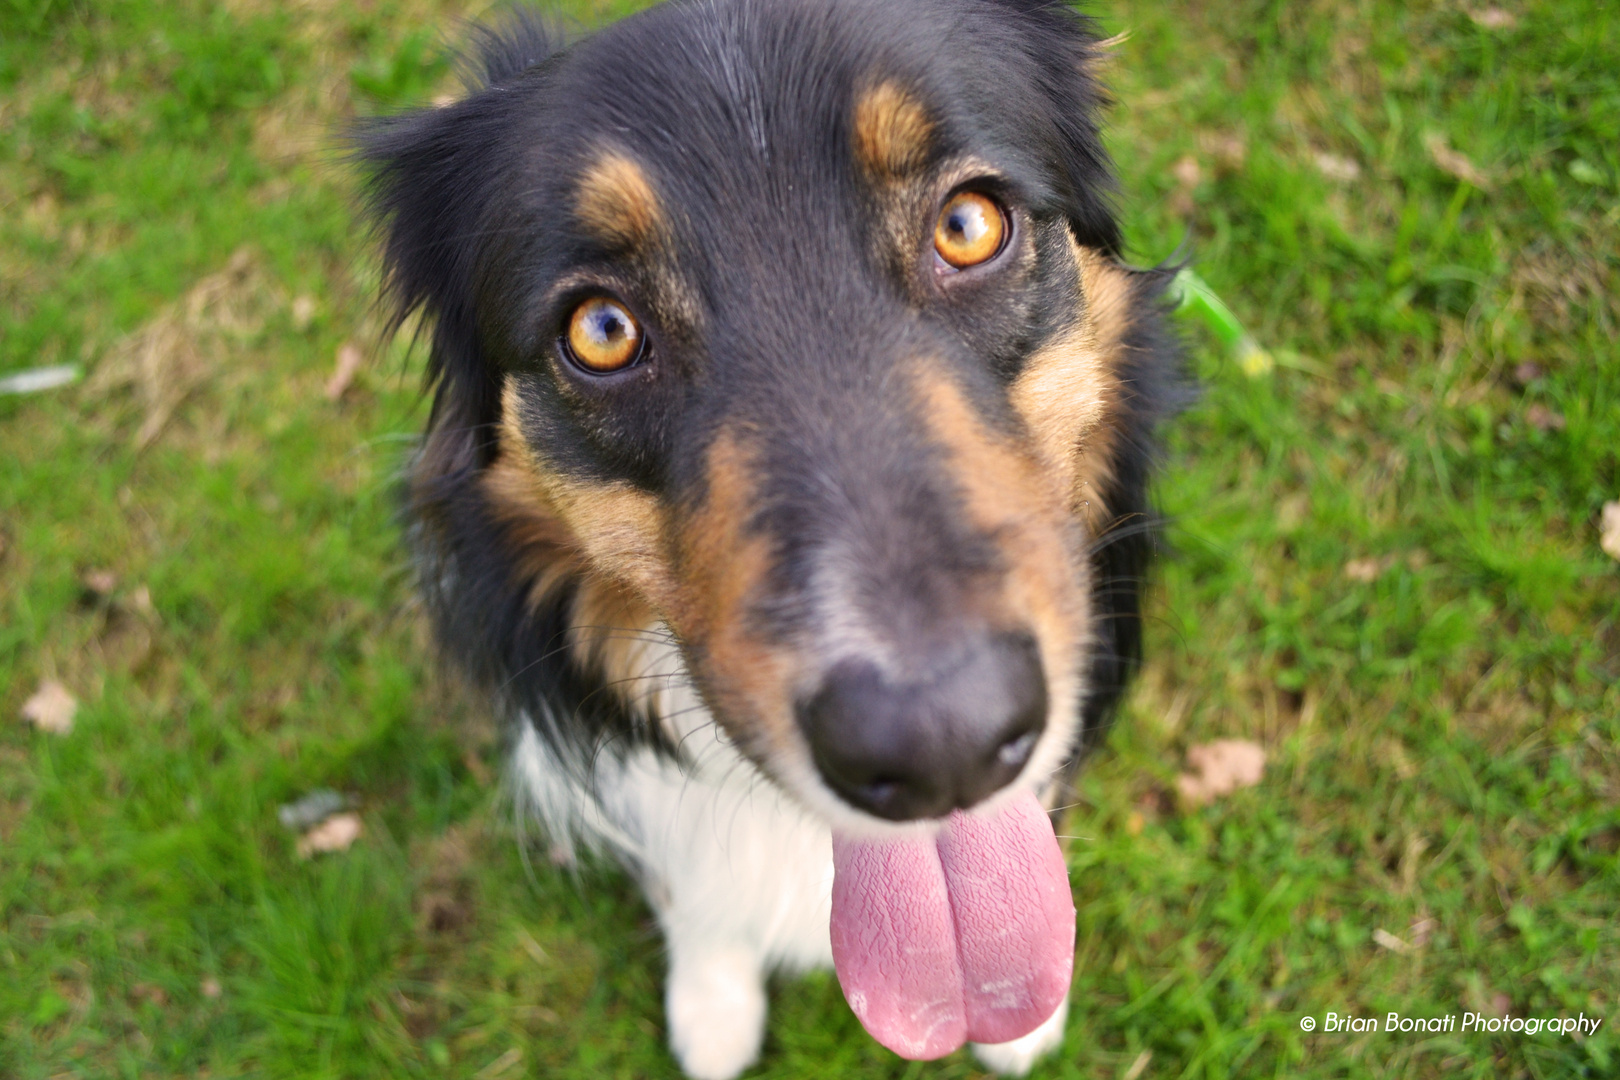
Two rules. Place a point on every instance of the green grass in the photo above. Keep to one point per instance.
(1442, 737)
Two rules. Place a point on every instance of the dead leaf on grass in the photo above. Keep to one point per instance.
(100, 583)
(140, 598)
(1369, 569)
(211, 989)
(1494, 18)
(1422, 930)
(336, 833)
(349, 360)
(1611, 530)
(1527, 373)
(1455, 162)
(1389, 941)
(1187, 172)
(1188, 175)
(51, 708)
(1228, 150)
(1342, 169)
(1542, 418)
(151, 994)
(303, 312)
(1220, 768)
(501, 1065)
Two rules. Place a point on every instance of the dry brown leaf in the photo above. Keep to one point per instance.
(102, 583)
(1229, 150)
(1390, 941)
(1369, 569)
(1527, 373)
(1220, 768)
(501, 1065)
(211, 989)
(349, 359)
(1455, 162)
(303, 312)
(1343, 169)
(1494, 18)
(1422, 930)
(147, 992)
(141, 600)
(51, 708)
(1610, 539)
(1187, 172)
(336, 833)
(1542, 418)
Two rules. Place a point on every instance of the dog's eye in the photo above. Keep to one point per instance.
(603, 337)
(970, 230)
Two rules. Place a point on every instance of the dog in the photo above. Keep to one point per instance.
(786, 482)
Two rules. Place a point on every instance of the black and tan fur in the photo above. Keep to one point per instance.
(830, 452)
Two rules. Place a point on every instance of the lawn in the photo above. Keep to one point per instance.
(1386, 570)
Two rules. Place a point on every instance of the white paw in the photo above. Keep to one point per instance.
(1016, 1058)
(715, 1004)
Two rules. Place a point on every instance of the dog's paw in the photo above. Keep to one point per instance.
(715, 1003)
(1016, 1058)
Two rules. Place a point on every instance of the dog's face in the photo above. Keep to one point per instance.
(794, 328)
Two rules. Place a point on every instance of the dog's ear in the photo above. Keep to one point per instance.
(1068, 54)
(429, 185)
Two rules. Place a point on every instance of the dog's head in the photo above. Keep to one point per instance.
(797, 329)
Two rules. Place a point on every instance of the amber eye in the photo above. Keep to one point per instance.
(602, 336)
(970, 230)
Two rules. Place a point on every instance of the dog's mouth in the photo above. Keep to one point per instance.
(960, 927)
(963, 933)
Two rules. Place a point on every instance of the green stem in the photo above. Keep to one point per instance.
(1194, 297)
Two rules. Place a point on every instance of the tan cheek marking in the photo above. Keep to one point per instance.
(618, 530)
(609, 626)
(1070, 388)
(1010, 497)
(616, 201)
(613, 631)
(722, 566)
(545, 552)
(892, 131)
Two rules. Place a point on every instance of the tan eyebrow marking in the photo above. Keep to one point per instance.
(616, 201)
(893, 133)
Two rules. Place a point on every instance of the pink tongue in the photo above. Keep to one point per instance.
(965, 935)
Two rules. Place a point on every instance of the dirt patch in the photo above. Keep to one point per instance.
(187, 343)
(1555, 287)
(445, 902)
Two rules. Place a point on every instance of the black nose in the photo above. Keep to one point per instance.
(922, 749)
